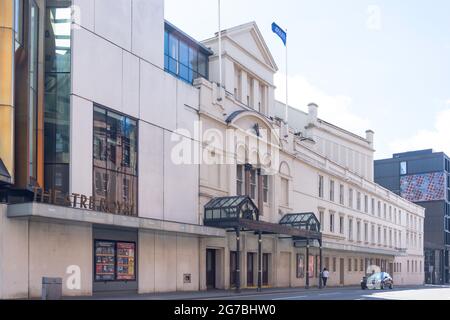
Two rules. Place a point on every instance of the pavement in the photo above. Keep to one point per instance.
(291, 294)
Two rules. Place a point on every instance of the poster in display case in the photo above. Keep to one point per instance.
(105, 257)
(126, 261)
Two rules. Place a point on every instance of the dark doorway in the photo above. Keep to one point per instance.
(342, 272)
(265, 265)
(210, 269)
(251, 269)
(233, 261)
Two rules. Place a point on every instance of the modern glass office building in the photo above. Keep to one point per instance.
(423, 177)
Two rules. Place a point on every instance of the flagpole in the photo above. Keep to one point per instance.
(220, 53)
(287, 87)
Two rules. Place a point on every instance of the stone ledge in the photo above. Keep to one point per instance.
(39, 211)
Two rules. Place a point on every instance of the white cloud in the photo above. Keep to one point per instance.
(437, 138)
(335, 109)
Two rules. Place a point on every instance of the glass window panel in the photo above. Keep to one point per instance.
(193, 59)
(202, 65)
(184, 73)
(166, 42)
(100, 146)
(173, 46)
(173, 66)
(184, 53)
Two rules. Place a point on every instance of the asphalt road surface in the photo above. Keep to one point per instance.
(410, 293)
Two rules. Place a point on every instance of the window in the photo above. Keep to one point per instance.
(266, 189)
(321, 187)
(238, 83)
(355, 265)
(341, 225)
(182, 59)
(350, 198)
(366, 204)
(18, 22)
(350, 265)
(334, 264)
(373, 206)
(300, 266)
(390, 213)
(366, 232)
(403, 168)
(358, 201)
(379, 236)
(350, 229)
(115, 160)
(372, 234)
(285, 192)
(57, 88)
(115, 261)
(322, 221)
(250, 91)
(379, 209)
(240, 180)
(385, 237)
(390, 238)
(327, 263)
(361, 265)
(385, 211)
(332, 222)
(395, 239)
(331, 190)
(262, 100)
(358, 231)
(253, 185)
(341, 194)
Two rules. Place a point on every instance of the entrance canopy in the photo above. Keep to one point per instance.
(241, 213)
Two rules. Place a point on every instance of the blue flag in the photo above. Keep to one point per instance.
(280, 32)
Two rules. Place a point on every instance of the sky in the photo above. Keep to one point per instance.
(381, 65)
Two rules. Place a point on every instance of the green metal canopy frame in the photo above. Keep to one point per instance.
(239, 213)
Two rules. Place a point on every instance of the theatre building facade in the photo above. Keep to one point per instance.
(124, 166)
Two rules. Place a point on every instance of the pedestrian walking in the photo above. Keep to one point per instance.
(325, 276)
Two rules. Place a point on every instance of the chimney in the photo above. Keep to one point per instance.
(369, 137)
(312, 113)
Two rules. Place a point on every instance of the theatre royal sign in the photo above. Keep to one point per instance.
(80, 201)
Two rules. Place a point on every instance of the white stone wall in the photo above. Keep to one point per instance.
(32, 250)
(118, 62)
(164, 259)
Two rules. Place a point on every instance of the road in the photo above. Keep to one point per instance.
(410, 293)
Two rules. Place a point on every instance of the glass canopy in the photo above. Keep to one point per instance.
(231, 208)
(302, 221)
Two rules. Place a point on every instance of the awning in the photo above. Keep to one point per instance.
(240, 212)
(5, 177)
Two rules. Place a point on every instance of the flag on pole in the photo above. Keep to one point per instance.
(280, 32)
